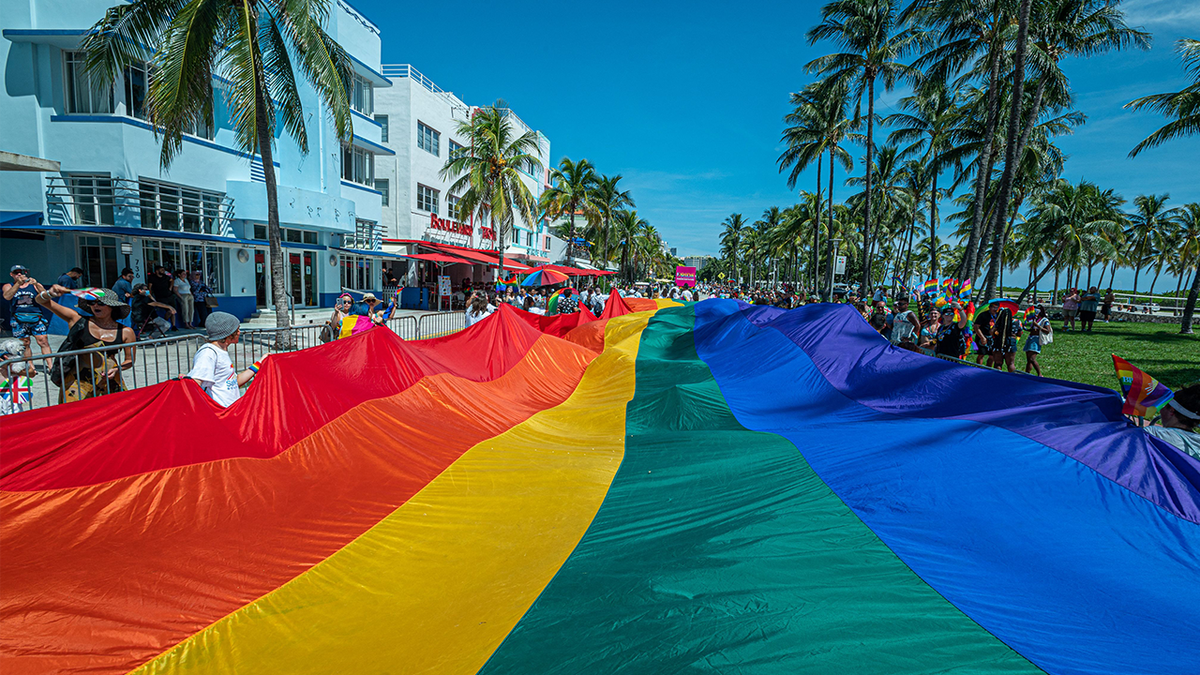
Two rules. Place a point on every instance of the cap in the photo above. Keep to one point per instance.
(18, 268)
(221, 325)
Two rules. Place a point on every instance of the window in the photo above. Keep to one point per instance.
(427, 198)
(383, 130)
(452, 207)
(137, 81)
(427, 138)
(529, 239)
(287, 234)
(361, 95)
(183, 209)
(455, 149)
(85, 94)
(98, 258)
(93, 199)
(359, 272)
(208, 260)
(381, 184)
(358, 165)
(532, 169)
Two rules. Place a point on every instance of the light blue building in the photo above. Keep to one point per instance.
(209, 211)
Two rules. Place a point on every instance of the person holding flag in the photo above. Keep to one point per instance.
(1180, 421)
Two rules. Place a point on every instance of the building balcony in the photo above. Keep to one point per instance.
(99, 200)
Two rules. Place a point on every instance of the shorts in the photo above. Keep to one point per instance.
(28, 330)
(1033, 346)
(1070, 313)
(1087, 316)
(1009, 346)
(1107, 310)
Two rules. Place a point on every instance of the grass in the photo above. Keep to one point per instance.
(1158, 349)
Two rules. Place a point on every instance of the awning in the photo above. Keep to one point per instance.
(134, 232)
(469, 254)
(373, 254)
(438, 258)
(21, 219)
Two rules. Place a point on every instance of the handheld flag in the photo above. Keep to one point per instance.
(965, 291)
(1142, 392)
(931, 286)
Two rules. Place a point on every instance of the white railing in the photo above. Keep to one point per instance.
(97, 200)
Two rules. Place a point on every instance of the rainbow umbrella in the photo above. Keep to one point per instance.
(545, 277)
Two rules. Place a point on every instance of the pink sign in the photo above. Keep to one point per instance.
(685, 276)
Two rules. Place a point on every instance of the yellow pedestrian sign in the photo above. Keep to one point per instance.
(720, 275)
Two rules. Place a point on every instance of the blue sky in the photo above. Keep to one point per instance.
(686, 100)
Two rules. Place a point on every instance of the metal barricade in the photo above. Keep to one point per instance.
(440, 323)
(405, 326)
(154, 361)
(256, 343)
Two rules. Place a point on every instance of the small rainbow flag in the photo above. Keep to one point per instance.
(931, 286)
(965, 291)
(1142, 392)
(552, 302)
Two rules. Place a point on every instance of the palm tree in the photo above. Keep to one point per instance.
(1150, 215)
(1060, 28)
(870, 32)
(731, 242)
(252, 46)
(1189, 259)
(972, 36)
(570, 193)
(626, 229)
(1183, 105)
(1069, 220)
(817, 125)
(486, 172)
(929, 127)
(607, 200)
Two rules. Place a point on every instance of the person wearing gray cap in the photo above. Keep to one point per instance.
(212, 368)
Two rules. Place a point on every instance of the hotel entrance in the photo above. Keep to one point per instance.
(302, 278)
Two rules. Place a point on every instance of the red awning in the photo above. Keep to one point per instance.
(510, 264)
(468, 253)
(439, 257)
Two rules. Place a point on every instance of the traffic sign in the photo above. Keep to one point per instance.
(721, 275)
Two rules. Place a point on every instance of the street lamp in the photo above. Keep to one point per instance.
(127, 250)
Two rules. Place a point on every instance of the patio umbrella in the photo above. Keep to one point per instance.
(544, 277)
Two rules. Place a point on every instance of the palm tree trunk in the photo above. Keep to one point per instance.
(1157, 271)
(1052, 263)
(983, 174)
(933, 263)
(1112, 274)
(274, 234)
(500, 239)
(817, 217)
(1010, 150)
(571, 241)
(828, 262)
(866, 276)
(1189, 310)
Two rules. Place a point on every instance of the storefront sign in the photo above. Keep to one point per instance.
(452, 226)
(685, 276)
(487, 233)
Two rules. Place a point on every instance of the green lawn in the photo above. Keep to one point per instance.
(1158, 349)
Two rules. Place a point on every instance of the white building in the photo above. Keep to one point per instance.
(419, 121)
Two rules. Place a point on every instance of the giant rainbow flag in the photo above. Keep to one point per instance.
(714, 488)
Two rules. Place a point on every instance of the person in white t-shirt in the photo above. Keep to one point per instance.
(687, 295)
(479, 309)
(212, 368)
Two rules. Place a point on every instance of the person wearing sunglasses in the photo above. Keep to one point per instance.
(92, 324)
